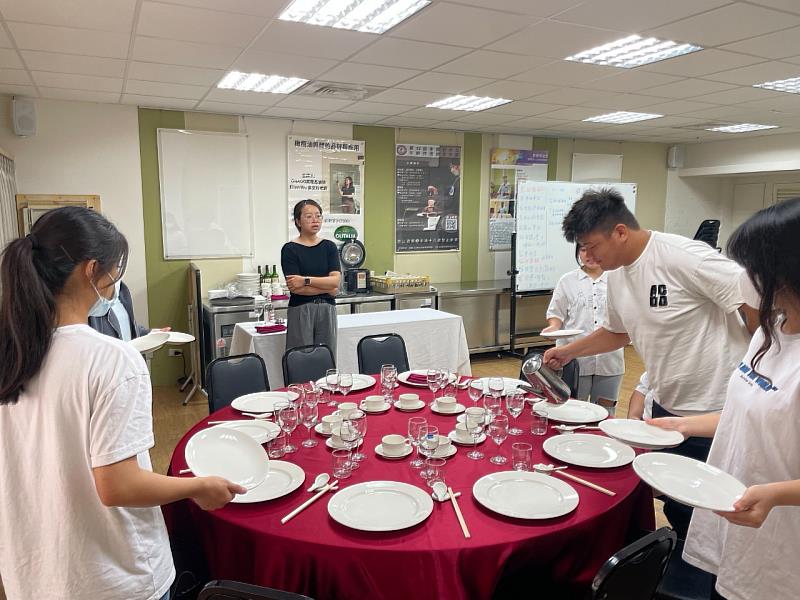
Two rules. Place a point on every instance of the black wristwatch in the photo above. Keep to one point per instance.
(308, 280)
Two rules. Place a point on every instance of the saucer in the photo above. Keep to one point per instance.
(319, 430)
(420, 404)
(379, 451)
(386, 406)
(329, 443)
(457, 409)
(450, 451)
(457, 440)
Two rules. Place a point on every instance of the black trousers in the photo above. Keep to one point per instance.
(679, 514)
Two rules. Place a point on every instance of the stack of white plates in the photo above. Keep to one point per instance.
(248, 283)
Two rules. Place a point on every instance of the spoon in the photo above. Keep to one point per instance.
(266, 415)
(571, 428)
(543, 468)
(319, 482)
(439, 492)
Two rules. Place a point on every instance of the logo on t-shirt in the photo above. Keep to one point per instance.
(762, 382)
(658, 295)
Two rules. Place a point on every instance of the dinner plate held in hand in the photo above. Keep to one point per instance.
(260, 430)
(227, 453)
(178, 337)
(589, 450)
(525, 495)
(150, 342)
(639, 434)
(380, 506)
(283, 478)
(561, 333)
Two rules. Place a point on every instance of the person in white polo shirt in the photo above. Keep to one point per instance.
(676, 299)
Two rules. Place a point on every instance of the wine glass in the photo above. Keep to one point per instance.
(349, 433)
(388, 379)
(359, 420)
(493, 407)
(345, 383)
(444, 378)
(496, 387)
(308, 412)
(515, 403)
(433, 382)
(287, 420)
(296, 389)
(312, 393)
(475, 419)
(498, 431)
(416, 429)
(332, 383)
(475, 390)
(428, 445)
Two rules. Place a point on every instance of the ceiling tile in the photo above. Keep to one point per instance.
(793, 59)
(70, 41)
(78, 82)
(635, 15)
(295, 113)
(73, 63)
(444, 82)
(687, 88)
(237, 97)
(229, 108)
(785, 103)
(311, 40)
(174, 52)
(262, 8)
(701, 63)
(555, 40)
(566, 73)
(105, 15)
(17, 90)
(368, 74)
(15, 76)
(740, 94)
(513, 90)
(276, 63)
(571, 96)
(377, 108)
(631, 81)
(526, 109)
(295, 101)
(407, 53)
(787, 5)
(346, 117)
(773, 45)
(619, 101)
(458, 25)
(198, 25)
(81, 95)
(767, 71)
(484, 117)
(165, 90)
(676, 107)
(727, 24)
(174, 74)
(410, 97)
(406, 122)
(536, 122)
(669, 121)
(539, 8)
(436, 114)
(156, 102)
(497, 65)
(714, 112)
(5, 41)
(573, 113)
(9, 59)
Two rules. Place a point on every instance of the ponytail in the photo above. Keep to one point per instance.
(34, 271)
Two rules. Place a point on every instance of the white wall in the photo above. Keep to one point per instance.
(765, 154)
(690, 200)
(86, 148)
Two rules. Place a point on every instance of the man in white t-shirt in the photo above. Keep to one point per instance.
(676, 299)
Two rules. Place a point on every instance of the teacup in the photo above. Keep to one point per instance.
(394, 444)
(444, 446)
(345, 408)
(328, 422)
(336, 439)
(407, 400)
(446, 404)
(372, 402)
(462, 433)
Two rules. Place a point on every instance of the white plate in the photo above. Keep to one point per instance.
(283, 478)
(525, 495)
(457, 409)
(329, 443)
(227, 453)
(150, 342)
(573, 411)
(379, 451)
(403, 377)
(445, 451)
(689, 481)
(380, 506)
(509, 384)
(260, 430)
(457, 440)
(561, 333)
(639, 434)
(177, 337)
(386, 406)
(360, 382)
(262, 402)
(419, 405)
(589, 450)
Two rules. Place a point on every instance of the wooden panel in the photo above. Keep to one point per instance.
(33, 200)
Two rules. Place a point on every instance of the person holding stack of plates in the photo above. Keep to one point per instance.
(676, 299)
(579, 302)
(80, 515)
(753, 550)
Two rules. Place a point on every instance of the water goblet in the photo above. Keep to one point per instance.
(428, 444)
(475, 419)
(475, 390)
(515, 403)
(287, 420)
(345, 383)
(308, 413)
(331, 382)
(433, 383)
(416, 428)
(359, 420)
(498, 431)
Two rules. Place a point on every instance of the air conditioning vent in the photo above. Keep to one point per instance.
(337, 91)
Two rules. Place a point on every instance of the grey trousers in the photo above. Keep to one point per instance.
(592, 387)
(311, 323)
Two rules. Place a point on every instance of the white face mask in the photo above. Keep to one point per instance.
(102, 305)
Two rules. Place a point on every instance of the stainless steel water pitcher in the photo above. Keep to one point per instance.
(544, 380)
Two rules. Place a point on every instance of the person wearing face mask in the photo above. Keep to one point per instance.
(115, 317)
(80, 515)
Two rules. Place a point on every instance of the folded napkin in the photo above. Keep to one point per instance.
(280, 297)
(270, 328)
(417, 378)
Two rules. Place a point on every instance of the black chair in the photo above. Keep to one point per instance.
(306, 363)
(384, 349)
(233, 590)
(708, 232)
(634, 572)
(570, 372)
(229, 377)
(683, 581)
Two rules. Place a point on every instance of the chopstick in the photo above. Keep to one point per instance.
(231, 421)
(594, 486)
(184, 471)
(308, 503)
(460, 517)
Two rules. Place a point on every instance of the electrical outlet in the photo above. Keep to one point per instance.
(172, 352)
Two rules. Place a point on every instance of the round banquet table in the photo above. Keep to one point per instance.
(314, 555)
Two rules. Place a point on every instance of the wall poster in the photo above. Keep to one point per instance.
(427, 198)
(332, 173)
(509, 168)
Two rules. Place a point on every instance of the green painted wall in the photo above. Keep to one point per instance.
(379, 217)
(470, 205)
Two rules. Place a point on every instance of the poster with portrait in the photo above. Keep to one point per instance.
(332, 173)
(427, 198)
(509, 168)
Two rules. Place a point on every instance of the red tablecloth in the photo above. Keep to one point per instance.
(314, 555)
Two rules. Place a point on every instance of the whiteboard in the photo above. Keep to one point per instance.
(542, 253)
(206, 204)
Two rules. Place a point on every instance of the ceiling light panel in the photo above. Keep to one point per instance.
(258, 82)
(741, 128)
(621, 117)
(369, 16)
(791, 85)
(468, 103)
(633, 51)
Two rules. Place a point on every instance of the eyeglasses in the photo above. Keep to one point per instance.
(312, 218)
